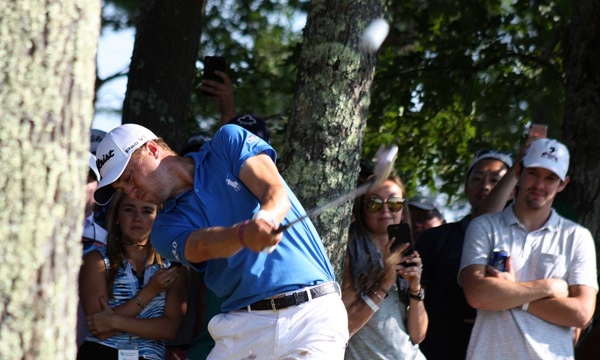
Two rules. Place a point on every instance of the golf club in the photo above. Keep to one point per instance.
(384, 163)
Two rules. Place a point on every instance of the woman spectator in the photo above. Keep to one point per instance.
(384, 300)
(131, 299)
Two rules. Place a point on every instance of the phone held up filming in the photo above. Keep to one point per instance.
(402, 235)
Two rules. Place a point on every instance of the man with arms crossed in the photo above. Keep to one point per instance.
(550, 282)
(221, 206)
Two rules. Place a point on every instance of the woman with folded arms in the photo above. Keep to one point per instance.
(384, 299)
(133, 302)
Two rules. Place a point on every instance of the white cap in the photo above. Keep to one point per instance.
(113, 154)
(96, 136)
(92, 164)
(548, 154)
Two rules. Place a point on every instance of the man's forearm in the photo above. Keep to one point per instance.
(575, 311)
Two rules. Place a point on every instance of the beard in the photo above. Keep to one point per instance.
(537, 202)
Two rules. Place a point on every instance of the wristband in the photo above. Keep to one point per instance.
(241, 231)
(370, 303)
(525, 306)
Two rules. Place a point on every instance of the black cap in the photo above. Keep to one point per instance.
(254, 124)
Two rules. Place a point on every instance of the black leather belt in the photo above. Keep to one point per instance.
(296, 298)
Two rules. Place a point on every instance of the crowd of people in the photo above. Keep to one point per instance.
(193, 234)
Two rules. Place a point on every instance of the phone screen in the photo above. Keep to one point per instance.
(212, 63)
(402, 235)
(538, 130)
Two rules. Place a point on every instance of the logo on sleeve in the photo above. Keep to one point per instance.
(174, 250)
(234, 184)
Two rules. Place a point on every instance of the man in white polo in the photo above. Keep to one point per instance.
(550, 284)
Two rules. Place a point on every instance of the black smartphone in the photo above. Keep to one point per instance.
(212, 63)
(402, 235)
(175, 264)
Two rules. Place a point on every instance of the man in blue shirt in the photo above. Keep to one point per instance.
(221, 206)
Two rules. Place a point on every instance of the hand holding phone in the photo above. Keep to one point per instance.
(212, 64)
(402, 235)
(538, 131)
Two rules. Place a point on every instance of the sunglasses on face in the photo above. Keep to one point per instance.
(374, 204)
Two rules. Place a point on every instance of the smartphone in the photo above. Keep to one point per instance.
(538, 130)
(212, 63)
(402, 235)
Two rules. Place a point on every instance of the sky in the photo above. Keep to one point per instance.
(114, 53)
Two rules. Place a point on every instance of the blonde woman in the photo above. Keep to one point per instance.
(132, 300)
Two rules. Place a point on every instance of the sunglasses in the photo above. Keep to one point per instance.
(394, 204)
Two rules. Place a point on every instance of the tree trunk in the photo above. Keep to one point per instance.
(162, 67)
(582, 115)
(48, 53)
(329, 112)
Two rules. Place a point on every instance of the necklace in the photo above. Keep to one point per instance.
(134, 244)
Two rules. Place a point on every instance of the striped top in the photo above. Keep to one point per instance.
(126, 286)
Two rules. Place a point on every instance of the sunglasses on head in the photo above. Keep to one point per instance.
(374, 204)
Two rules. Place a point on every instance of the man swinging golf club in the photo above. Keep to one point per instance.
(221, 206)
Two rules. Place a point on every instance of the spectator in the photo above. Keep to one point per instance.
(550, 282)
(222, 206)
(450, 316)
(221, 92)
(384, 300)
(94, 235)
(96, 136)
(424, 214)
(195, 142)
(126, 291)
(254, 124)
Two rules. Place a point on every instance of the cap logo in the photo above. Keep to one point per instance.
(549, 155)
(132, 146)
(101, 161)
(246, 120)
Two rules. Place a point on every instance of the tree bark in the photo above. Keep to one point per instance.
(582, 122)
(163, 67)
(329, 112)
(582, 113)
(48, 55)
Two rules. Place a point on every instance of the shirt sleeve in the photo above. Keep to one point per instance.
(477, 245)
(235, 145)
(582, 270)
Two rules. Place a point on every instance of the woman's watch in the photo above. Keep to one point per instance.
(418, 295)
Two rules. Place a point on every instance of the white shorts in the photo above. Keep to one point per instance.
(317, 329)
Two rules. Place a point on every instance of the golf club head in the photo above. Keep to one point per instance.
(384, 163)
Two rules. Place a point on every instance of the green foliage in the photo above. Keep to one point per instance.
(456, 76)
(261, 49)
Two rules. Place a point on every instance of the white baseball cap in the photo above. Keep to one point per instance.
(548, 154)
(92, 164)
(113, 154)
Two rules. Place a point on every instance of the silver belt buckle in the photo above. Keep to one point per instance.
(273, 304)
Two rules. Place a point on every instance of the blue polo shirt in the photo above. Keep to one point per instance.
(219, 198)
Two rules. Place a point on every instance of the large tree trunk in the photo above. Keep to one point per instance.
(582, 121)
(47, 51)
(582, 113)
(329, 112)
(163, 67)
